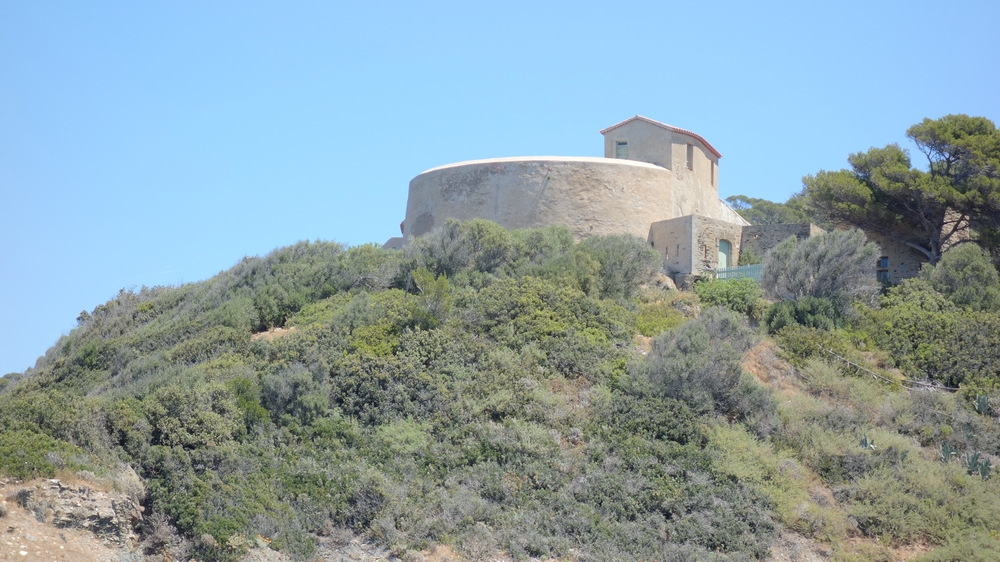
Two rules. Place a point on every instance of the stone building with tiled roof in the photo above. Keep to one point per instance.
(656, 181)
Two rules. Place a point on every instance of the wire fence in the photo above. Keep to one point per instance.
(906, 383)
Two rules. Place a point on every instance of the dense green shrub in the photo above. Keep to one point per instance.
(742, 295)
(967, 277)
(658, 317)
(700, 363)
(193, 417)
(811, 312)
(459, 247)
(928, 336)
(295, 392)
(801, 343)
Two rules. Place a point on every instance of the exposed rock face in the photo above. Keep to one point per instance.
(111, 517)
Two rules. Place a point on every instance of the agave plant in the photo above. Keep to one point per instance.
(947, 453)
(975, 464)
(985, 468)
(982, 404)
(971, 461)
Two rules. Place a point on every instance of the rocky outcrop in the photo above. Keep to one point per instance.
(110, 516)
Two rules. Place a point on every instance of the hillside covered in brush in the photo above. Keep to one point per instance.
(525, 395)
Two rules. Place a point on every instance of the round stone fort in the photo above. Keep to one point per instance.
(650, 172)
(590, 196)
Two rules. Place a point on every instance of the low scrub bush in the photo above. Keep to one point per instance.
(658, 317)
(27, 454)
(626, 262)
(700, 363)
(780, 476)
(838, 265)
(922, 500)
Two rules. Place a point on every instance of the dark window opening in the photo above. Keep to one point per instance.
(883, 269)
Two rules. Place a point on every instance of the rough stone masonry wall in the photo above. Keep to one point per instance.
(707, 234)
(903, 261)
(761, 238)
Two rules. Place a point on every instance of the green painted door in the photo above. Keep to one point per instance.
(724, 249)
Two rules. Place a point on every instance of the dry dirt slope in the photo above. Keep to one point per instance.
(26, 537)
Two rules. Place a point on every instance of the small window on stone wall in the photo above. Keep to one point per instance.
(690, 157)
(883, 269)
(713, 174)
(621, 150)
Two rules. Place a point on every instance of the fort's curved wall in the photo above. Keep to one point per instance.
(590, 196)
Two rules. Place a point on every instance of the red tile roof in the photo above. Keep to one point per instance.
(667, 127)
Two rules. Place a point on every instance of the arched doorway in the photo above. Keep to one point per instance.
(725, 248)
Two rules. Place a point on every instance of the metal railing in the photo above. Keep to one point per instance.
(750, 271)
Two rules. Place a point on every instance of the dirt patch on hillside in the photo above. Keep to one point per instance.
(273, 333)
(793, 547)
(642, 344)
(763, 362)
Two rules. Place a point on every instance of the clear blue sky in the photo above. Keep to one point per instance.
(155, 143)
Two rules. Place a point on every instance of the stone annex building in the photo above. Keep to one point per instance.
(656, 181)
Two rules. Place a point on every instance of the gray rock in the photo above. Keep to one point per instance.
(112, 517)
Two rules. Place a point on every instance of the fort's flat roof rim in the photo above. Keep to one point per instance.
(558, 159)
